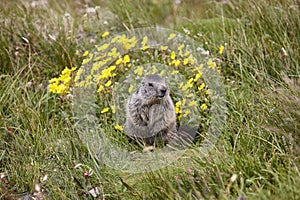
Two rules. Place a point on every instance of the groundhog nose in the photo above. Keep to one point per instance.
(162, 92)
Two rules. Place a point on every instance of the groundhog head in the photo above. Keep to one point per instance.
(153, 87)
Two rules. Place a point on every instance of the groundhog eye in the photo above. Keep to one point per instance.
(150, 84)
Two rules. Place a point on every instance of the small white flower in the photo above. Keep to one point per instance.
(233, 178)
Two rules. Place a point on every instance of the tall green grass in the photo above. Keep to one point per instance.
(257, 156)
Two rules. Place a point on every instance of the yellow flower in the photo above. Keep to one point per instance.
(119, 61)
(191, 59)
(178, 107)
(179, 117)
(186, 113)
(145, 47)
(99, 57)
(104, 110)
(130, 43)
(61, 89)
(107, 73)
(105, 34)
(177, 63)
(108, 83)
(162, 73)
(186, 53)
(198, 75)
(199, 68)
(113, 108)
(126, 46)
(54, 80)
(173, 55)
(113, 53)
(221, 49)
(180, 49)
(96, 66)
(207, 92)
(85, 53)
(118, 127)
(88, 80)
(53, 84)
(154, 70)
(87, 60)
(171, 36)
(112, 68)
(103, 47)
(203, 106)
(101, 87)
(115, 39)
(80, 84)
(193, 103)
(139, 70)
(201, 86)
(180, 85)
(185, 61)
(211, 64)
(144, 42)
(130, 88)
(145, 39)
(126, 59)
(174, 72)
(190, 95)
(61, 84)
(163, 48)
(188, 85)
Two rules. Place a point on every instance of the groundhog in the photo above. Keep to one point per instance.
(150, 112)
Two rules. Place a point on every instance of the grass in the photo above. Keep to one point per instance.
(257, 156)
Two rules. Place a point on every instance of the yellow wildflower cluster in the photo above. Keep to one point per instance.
(163, 48)
(188, 85)
(61, 84)
(118, 127)
(109, 60)
(126, 59)
(113, 53)
(201, 86)
(154, 70)
(178, 110)
(144, 44)
(171, 36)
(139, 70)
(128, 43)
(104, 110)
(203, 106)
(183, 58)
(180, 49)
(221, 49)
(107, 73)
(105, 34)
(211, 64)
(103, 47)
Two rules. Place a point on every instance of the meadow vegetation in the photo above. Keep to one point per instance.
(257, 156)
